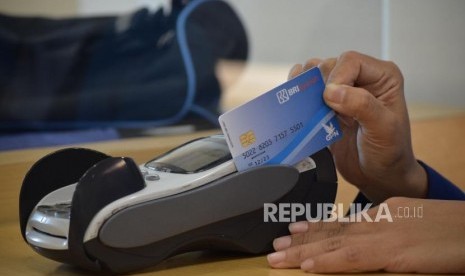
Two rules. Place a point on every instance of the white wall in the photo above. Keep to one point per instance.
(426, 38)
(428, 43)
(295, 30)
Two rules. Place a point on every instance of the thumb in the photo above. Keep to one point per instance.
(356, 103)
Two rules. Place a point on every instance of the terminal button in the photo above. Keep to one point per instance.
(152, 177)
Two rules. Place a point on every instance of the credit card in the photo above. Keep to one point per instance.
(282, 126)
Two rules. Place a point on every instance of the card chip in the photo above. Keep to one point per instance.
(247, 138)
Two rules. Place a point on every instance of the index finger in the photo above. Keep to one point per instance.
(356, 69)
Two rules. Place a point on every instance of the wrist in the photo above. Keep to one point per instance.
(404, 181)
(416, 181)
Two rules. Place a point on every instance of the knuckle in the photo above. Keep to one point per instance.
(300, 254)
(326, 63)
(394, 68)
(326, 66)
(295, 70)
(396, 73)
(307, 238)
(332, 244)
(313, 62)
(352, 254)
(349, 55)
(298, 239)
(315, 226)
(337, 231)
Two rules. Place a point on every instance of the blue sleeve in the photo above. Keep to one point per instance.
(439, 187)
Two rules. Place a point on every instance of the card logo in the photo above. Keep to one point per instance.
(285, 95)
(331, 131)
(282, 95)
(247, 138)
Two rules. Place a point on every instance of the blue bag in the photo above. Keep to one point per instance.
(134, 71)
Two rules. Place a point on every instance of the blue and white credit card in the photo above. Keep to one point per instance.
(282, 126)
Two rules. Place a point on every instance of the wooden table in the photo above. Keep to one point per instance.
(438, 142)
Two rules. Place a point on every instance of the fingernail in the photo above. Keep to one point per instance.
(298, 227)
(335, 93)
(282, 243)
(307, 265)
(276, 257)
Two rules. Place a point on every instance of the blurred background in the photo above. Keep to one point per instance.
(426, 38)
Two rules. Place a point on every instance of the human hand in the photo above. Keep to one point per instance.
(375, 153)
(433, 243)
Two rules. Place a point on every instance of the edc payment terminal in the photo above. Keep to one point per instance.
(103, 213)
